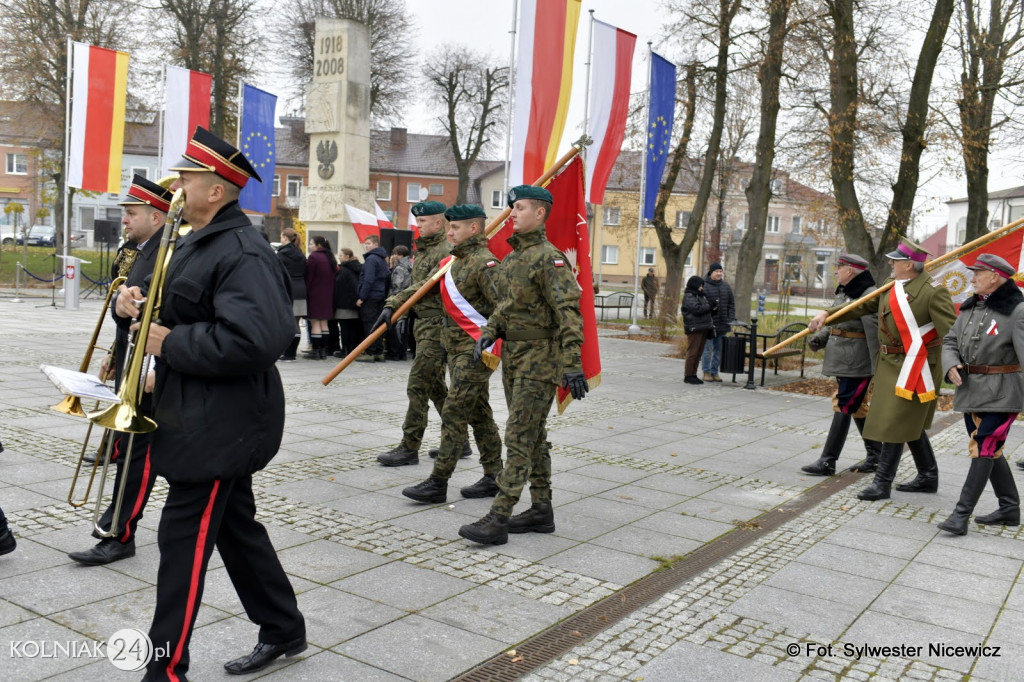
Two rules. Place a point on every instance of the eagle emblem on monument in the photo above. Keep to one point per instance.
(326, 154)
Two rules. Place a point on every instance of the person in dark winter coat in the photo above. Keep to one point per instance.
(346, 330)
(295, 263)
(373, 289)
(698, 323)
(982, 357)
(719, 292)
(320, 269)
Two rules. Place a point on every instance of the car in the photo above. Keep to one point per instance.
(6, 234)
(40, 235)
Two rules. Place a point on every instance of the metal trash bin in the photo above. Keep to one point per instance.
(734, 355)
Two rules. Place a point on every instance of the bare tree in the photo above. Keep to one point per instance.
(758, 190)
(391, 54)
(472, 94)
(219, 37)
(991, 69)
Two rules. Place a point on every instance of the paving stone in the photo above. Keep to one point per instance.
(403, 586)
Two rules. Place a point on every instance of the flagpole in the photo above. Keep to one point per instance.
(163, 121)
(238, 126)
(634, 328)
(511, 90)
(67, 146)
(586, 122)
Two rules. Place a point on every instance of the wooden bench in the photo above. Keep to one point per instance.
(798, 348)
(615, 300)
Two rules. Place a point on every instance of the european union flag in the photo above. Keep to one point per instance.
(256, 140)
(659, 127)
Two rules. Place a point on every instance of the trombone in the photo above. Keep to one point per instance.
(125, 416)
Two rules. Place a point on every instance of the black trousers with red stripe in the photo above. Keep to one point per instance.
(197, 517)
(137, 488)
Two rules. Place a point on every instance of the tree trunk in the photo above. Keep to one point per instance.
(759, 189)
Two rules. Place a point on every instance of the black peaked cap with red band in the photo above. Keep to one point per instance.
(208, 153)
(149, 193)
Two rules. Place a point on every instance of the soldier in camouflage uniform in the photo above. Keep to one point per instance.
(426, 377)
(469, 297)
(539, 318)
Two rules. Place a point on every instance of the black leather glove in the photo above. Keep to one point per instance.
(487, 337)
(384, 318)
(815, 344)
(576, 384)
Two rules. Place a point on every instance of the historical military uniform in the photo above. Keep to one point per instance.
(986, 345)
(426, 382)
(141, 476)
(539, 319)
(219, 403)
(850, 353)
(902, 405)
(469, 286)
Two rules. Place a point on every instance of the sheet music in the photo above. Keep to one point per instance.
(79, 384)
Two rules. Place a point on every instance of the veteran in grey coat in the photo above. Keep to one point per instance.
(981, 356)
(850, 353)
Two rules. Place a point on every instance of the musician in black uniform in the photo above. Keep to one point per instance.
(226, 316)
(145, 212)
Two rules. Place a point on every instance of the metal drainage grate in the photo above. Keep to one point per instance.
(557, 640)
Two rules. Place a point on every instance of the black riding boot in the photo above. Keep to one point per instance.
(974, 486)
(927, 479)
(873, 448)
(1005, 488)
(888, 462)
(826, 464)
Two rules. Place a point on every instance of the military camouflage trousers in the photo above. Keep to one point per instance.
(426, 381)
(528, 454)
(468, 404)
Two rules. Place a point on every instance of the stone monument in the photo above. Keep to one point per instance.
(338, 124)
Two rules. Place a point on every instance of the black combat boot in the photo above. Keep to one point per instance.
(399, 456)
(974, 486)
(315, 346)
(873, 448)
(107, 551)
(927, 479)
(826, 464)
(539, 518)
(431, 491)
(1005, 488)
(492, 529)
(888, 462)
(466, 452)
(485, 487)
(290, 351)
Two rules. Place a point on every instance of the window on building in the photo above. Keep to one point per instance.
(611, 215)
(820, 269)
(610, 255)
(796, 224)
(294, 186)
(140, 170)
(775, 186)
(647, 255)
(412, 192)
(17, 164)
(773, 224)
(689, 259)
(384, 190)
(436, 189)
(275, 189)
(961, 231)
(496, 196)
(682, 219)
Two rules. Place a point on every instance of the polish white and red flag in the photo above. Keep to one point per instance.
(187, 106)
(612, 65)
(364, 222)
(957, 278)
(383, 221)
(413, 225)
(99, 78)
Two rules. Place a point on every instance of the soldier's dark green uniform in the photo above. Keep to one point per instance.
(426, 382)
(468, 404)
(539, 318)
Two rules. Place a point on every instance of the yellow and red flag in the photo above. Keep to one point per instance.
(99, 91)
(547, 42)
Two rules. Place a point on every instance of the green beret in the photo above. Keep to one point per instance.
(528, 192)
(465, 212)
(427, 208)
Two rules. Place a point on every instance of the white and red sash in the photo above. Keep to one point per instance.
(915, 375)
(466, 316)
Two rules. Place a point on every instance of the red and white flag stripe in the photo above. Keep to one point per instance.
(364, 222)
(382, 218)
(187, 105)
(98, 94)
(612, 65)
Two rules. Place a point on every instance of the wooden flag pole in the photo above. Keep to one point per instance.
(492, 228)
(933, 264)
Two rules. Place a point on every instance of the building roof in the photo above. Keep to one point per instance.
(28, 125)
(1012, 193)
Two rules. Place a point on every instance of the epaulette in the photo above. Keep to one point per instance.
(936, 284)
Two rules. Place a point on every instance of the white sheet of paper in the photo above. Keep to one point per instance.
(79, 384)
